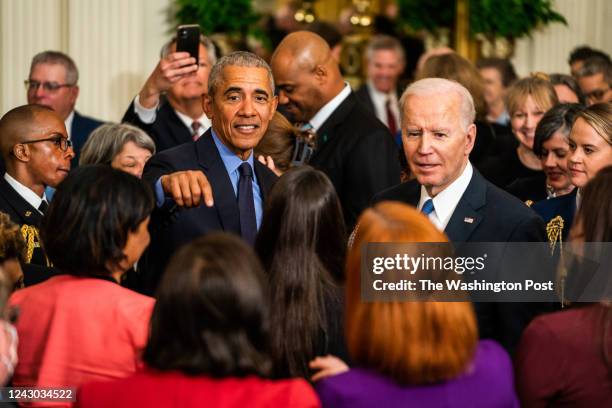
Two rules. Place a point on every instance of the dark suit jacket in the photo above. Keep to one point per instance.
(564, 206)
(166, 131)
(363, 94)
(358, 154)
(82, 126)
(37, 267)
(171, 227)
(497, 217)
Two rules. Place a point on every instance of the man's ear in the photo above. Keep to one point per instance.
(470, 139)
(21, 152)
(321, 74)
(207, 105)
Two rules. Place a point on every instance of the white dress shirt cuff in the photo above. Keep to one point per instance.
(144, 114)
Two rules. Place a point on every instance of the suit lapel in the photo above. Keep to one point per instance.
(466, 217)
(28, 214)
(177, 129)
(326, 131)
(223, 192)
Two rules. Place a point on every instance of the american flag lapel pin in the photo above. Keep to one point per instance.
(468, 220)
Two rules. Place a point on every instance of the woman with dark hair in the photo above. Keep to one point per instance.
(208, 344)
(413, 351)
(551, 145)
(590, 150)
(565, 358)
(302, 244)
(82, 325)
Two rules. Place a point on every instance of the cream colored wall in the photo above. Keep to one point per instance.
(589, 22)
(115, 44)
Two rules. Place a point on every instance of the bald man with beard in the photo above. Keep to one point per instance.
(353, 147)
(37, 154)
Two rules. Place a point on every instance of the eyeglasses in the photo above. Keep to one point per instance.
(47, 86)
(596, 95)
(60, 142)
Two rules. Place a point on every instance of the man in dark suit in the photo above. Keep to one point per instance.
(438, 135)
(169, 105)
(385, 64)
(37, 154)
(240, 103)
(53, 82)
(353, 148)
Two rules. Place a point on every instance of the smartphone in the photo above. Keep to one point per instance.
(188, 39)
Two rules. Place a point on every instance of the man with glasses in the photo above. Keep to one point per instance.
(595, 80)
(37, 154)
(53, 82)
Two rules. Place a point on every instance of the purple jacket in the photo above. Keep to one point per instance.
(488, 383)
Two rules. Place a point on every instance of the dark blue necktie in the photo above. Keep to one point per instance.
(428, 207)
(246, 206)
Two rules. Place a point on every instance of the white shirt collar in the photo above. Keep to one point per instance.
(446, 200)
(204, 121)
(68, 123)
(30, 196)
(325, 112)
(379, 100)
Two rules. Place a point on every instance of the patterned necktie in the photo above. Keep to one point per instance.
(428, 207)
(391, 121)
(43, 206)
(195, 125)
(246, 205)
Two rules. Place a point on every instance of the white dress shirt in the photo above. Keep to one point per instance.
(325, 112)
(379, 99)
(68, 124)
(30, 196)
(148, 116)
(446, 200)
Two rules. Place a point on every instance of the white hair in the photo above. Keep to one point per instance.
(440, 86)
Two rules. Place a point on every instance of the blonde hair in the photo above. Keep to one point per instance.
(538, 86)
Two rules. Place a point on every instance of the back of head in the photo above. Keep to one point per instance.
(85, 229)
(537, 86)
(17, 124)
(454, 67)
(210, 317)
(302, 244)
(559, 118)
(436, 340)
(107, 141)
(278, 142)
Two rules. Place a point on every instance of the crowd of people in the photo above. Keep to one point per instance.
(208, 249)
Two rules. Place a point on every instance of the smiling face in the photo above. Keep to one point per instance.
(524, 121)
(131, 159)
(436, 142)
(384, 69)
(241, 108)
(299, 88)
(554, 161)
(589, 153)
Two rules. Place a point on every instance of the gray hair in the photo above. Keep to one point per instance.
(384, 42)
(596, 65)
(59, 58)
(205, 41)
(238, 59)
(436, 86)
(108, 140)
